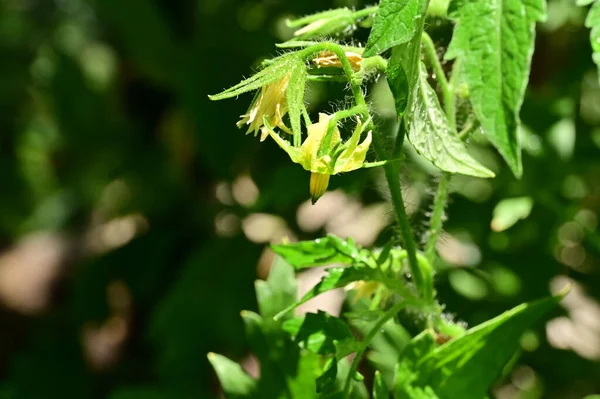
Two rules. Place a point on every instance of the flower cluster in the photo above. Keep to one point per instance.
(322, 152)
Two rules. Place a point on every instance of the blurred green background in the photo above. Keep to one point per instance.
(134, 215)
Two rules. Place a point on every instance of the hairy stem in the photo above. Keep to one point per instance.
(393, 179)
(437, 216)
(448, 90)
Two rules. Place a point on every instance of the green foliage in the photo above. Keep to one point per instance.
(467, 366)
(135, 217)
(235, 382)
(396, 23)
(493, 44)
(593, 22)
(493, 60)
(431, 135)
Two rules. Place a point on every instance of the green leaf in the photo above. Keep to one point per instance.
(295, 96)
(593, 22)
(322, 251)
(406, 372)
(338, 277)
(323, 334)
(235, 382)
(509, 211)
(328, 378)
(493, 42)
(398, 80)
(466, 367)
(430, 133)
(279, 67)
(380, 390)
(279, 291)
(395, 23)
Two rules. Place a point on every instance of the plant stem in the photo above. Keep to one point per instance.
(435, 223)
(446, 88)
(365, 342)
(365, 12)
(469, 128)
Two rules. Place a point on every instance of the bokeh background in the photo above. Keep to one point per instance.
(135, 216)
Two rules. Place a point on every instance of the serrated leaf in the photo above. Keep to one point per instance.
(279, 67)
(234, 381)
(593, 22)
(493, 41)
(395, 23)
(466, 367)
(279, 291)
(323, 334)
(380, 390)
(295, 95)
(322, 251)
(430, 133)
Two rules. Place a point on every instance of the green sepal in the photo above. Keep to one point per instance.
(277, 69)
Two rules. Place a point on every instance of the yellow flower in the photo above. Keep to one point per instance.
(323, 156)
(330, 59)
(363, 289)
(270, 104)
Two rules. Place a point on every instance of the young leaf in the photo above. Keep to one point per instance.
(322, 251)
(466, 367)
(235, 382)
(380, 390)
(323, 334)
(493, 42)
(430, 133)
(279, 291)
(395, 23)
(593, 22)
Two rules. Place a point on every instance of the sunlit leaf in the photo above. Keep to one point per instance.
(323, 334)
(430, 133)
(234, 381)
(395, 23)
(279, 291)
(322, 251)
(493, 42)
(467, 366)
